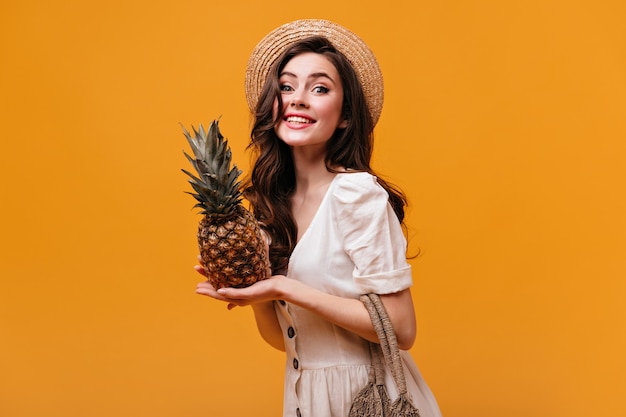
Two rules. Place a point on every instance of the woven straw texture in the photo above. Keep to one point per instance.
(349, 44)
(373, 400)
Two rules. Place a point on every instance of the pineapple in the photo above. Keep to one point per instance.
(232, 247)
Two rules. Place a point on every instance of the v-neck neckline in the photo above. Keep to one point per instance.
(316, 215)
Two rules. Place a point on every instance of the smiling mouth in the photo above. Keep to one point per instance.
(298, 119)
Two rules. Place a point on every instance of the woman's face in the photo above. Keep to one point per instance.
(312, 97)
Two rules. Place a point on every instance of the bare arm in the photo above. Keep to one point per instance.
(352, 315)
(267, 324)
(344, 312)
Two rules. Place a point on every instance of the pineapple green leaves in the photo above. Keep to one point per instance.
(216, 185)
(230, 240)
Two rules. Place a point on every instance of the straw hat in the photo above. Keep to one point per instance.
(349, 44)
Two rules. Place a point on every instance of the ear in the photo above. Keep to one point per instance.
(343, 124)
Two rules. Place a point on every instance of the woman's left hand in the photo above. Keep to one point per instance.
(259, 292)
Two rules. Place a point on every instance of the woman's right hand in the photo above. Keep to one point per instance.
(259, 292)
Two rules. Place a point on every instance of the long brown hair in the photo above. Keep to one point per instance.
(272, 180)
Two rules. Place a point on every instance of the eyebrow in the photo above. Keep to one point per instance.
(314, 75)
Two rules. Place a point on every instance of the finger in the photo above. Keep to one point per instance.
(231, 293)
(210, 292)
(200, 269)
(205, 288)
(207, 291)
(206, 284)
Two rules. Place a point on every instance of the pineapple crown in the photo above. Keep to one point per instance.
(216, 185)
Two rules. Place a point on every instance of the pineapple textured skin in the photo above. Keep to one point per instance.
(231, 243)
(232, 250)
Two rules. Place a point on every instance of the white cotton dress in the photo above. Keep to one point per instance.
(354, 245)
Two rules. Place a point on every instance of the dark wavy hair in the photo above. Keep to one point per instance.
(272, 179)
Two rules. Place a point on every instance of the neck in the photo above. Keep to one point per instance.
(310, 169)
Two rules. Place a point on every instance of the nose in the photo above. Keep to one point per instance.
(297, 100)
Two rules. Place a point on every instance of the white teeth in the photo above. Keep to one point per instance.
(297, 119)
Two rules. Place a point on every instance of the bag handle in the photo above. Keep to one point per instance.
(387, 337)
(402, 406)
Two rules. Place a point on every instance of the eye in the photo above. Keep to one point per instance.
(320, 89)
(285, 87)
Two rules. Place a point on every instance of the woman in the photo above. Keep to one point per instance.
(335, 228)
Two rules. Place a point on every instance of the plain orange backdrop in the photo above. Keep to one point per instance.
(504, 122)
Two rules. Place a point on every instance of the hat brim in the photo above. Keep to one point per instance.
(348, 43)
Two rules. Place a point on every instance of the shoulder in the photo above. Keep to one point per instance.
(355, 187)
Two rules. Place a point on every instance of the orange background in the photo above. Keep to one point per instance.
(504, 122)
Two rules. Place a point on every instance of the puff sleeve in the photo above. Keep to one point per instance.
(371, 235)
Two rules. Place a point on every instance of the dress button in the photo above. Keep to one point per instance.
(282, 302)
(291, 332)
(295, 364)
(298, 414)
